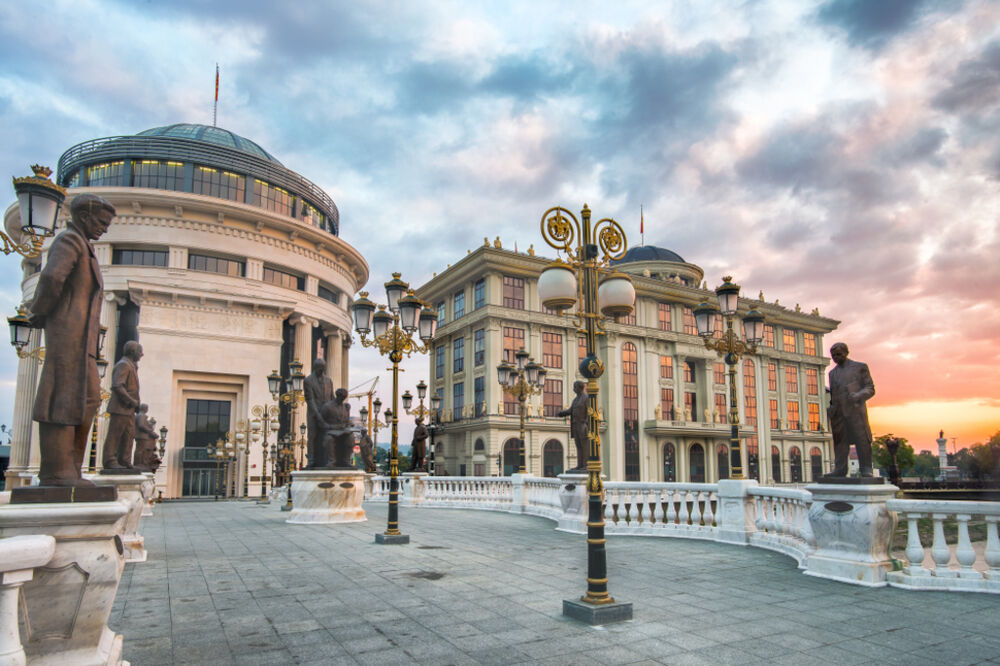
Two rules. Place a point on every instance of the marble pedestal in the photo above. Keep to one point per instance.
(412, 488)
(148, 490)
(69, 599)
(853, 529)
(327, 496)
(130, 494)
(573, 500)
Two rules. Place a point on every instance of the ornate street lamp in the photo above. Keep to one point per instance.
(589, 249)
(38, 200)
(525, 379)
(392, 333)
(434, 427)
(375, 424)
(732, 347)
(244, 435)
(264, 422)
(420, 412)
(291, 399)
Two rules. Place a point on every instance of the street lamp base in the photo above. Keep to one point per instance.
(597, 615)
(389, 539)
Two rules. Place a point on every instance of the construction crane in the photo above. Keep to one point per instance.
(371, 384)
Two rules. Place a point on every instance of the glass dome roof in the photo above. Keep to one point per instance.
(208, 134)
(650, 253)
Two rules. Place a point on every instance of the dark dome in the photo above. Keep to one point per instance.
(650, 253)
(208, 134)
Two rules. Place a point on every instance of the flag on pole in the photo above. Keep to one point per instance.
(216, 82)
(642, 226)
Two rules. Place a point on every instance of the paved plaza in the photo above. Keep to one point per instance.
(232, 583)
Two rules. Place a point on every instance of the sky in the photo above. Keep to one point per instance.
(839, 154)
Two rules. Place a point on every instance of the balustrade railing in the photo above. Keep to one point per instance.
(677, 509)
(781, 516)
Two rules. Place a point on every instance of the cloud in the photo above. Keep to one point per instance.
(873, 24)
(975, 83)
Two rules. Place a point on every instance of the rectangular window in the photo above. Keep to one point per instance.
(458, 401)
(222, 184)
(272, 197)
(439, 362)
(552, 350)
(812, 381)
(809, 344)
(458, 304)
(666, 367)
(814, 424)
(458, 355)
(793, 415)
(479, 347)
(691, 405)
(717, 326)
(667, 404)
(775, 417)
(772, 376)
(552, 397)
(719, 373)
(108, 174)
(791, 379)
(159, 175)
(310, 214)
(688, 372)
(513, 340)
(769, 336)
(479, 386)
(283, 279)
(581, 349)
(689, 326)
(203, 262)
(442, 318)
(510, 405)
(628, 320)
(479, 469)
(206, 421)
(663, 316)
(327, 294)
(721, 409)
(787, 340)
(513, 292)
(139, 257)
(749, 394)
(479, 293)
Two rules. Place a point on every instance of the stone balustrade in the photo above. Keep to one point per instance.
(938, 565)
(661, 509)
(781, 518)
(19, 556)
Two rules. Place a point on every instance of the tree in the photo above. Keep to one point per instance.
(881, 458)
(927, 466)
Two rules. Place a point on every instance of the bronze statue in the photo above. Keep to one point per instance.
(145, 441)
(67, 305)
(367, 452)
(850, 387)
(577, 413)
(318, 389)
(122, 407)
(338, 439)
(418, 452)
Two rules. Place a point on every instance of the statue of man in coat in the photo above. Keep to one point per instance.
(67, 304)
(318, 389)
(145, 440)
(577, 413)
(850, 387)
(122, 406)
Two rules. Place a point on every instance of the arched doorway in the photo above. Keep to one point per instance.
(775, 464)
(552, 458)
(697, 466)
(722, 453)
(816, 463)
(669, 463)
(795, 464)
(511, 456)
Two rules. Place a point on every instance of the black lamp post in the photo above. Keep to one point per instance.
(521, 381)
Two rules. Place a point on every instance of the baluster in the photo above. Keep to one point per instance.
(671, 516)
(914, 550)
(769, 514)
(758, 520)
(992, 545)
(696, 508)
(682, 515)
(964, 552)
(709, 517)
(609, 507)
(807, 531)
(779, 516)
(657, 508)
(939, 549)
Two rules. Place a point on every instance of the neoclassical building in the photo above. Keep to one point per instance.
(225, 265)
(664, 396)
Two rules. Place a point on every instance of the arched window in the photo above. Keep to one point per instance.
(630, 410)
(669, 463)
(775, 464)
(697, 466)
(750, 419)
(552, 458)
(723, 456)
(479, 445)
(795, 463)
(816, 463)
(511, 456)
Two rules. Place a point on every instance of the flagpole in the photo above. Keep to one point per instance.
(215, 108)
(642, 226)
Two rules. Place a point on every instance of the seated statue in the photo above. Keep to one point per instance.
(145, 458)
(338, 439)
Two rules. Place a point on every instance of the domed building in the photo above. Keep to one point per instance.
(664, 396)
(225, 265)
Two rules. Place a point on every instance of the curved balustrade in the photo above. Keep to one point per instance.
(938, 565)
(661, 509)
(468, 492)
(781, 516)
(541, 497)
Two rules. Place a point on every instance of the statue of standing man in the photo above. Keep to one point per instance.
(67, 304)
(318, 389)
(418, 451)
(850, 388)
(145, 441)
(122, 406)
(577, 413)
(339, 436)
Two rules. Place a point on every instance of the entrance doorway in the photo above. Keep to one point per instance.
(206, 421)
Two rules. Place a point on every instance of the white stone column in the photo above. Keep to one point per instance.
(24, 430)
(333, 353)
(344, 365)
(303, 342)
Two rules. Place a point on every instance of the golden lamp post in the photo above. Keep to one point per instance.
(419, 412)
(522, 380)
(392, 333)
(264, 421)
(38, 202)
(291, 398)
(732, 347)
(589, 250)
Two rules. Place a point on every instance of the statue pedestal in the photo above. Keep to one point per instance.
(68, 600)
(327, 496)
(413, 488)
(853, 529)
(148, 488)
(573, 499)
(130, 493)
